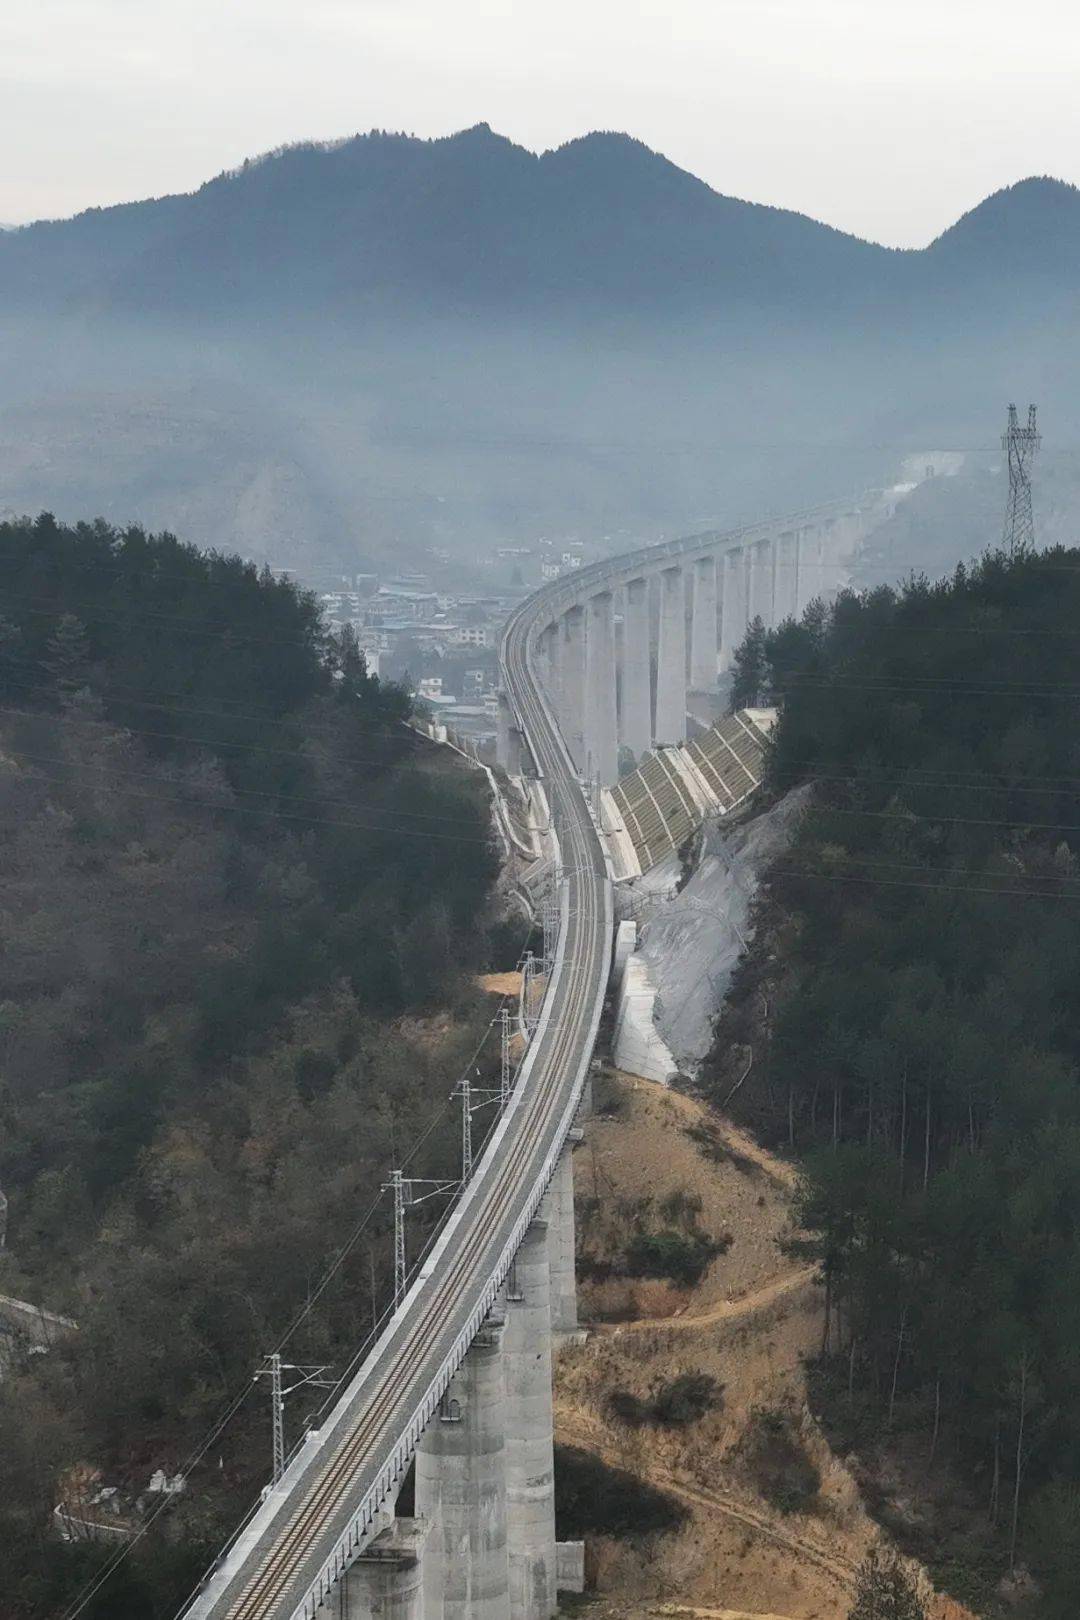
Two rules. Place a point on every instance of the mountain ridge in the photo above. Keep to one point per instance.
(474, 219)
(339, 350)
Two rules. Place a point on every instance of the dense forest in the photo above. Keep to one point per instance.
(911, 1002)
(243, 907)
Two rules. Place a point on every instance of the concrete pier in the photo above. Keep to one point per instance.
(530, 1453)
(386, 1581)
(760, 582)
(601, 724)
(733, 605)
(461, 1490)
(703, 626)
(786, 577)
(637, 732)
(671, 658)
(811, 565)
(561, 1243)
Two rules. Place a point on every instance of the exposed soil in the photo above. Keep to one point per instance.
(500, 984)
(748, 1323)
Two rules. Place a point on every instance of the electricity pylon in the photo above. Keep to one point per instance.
(1020, 446)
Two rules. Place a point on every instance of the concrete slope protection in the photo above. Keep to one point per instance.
(310, 1527)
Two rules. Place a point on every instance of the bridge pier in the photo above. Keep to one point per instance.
(759, 582)
(703, 626)
(786, 577)
(561, 1241)
(811, 565)
(637, 732)
(732, 606)
(386, 1581)
(530, 1454)
(601, 725)
(671, 658)
(461, 1490)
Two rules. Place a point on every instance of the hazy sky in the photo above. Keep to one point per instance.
(885, 117)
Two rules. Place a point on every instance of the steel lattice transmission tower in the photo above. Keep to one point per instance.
(1020, 444)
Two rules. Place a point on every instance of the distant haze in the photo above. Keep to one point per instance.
(389, 350)
(886, 119)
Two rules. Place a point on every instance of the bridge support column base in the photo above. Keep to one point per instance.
(386, 1582)
(461, 1490)
(561, 1246)
(530, 1425)
(570, 1565)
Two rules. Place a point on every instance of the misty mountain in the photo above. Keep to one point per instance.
(471, 222)
(1030, 229)
(343, 352)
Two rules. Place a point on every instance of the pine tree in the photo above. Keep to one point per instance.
(751, 667)
(352, 665)
(67, 653)
(885, 1590)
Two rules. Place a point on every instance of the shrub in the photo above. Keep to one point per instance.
(681, 1208)
(682, 1257)
(628, 1408)
(777, 1461)
(608, 1097)
(686, 1399)
(886, 1590)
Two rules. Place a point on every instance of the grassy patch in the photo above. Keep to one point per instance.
(682, 1256)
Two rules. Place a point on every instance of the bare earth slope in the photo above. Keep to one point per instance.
(748, 1323)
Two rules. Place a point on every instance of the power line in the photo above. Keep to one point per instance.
(223, 627)
(900, 782)
(965, 778)
(286, 815)
(195, 1457)
(118, 729)
(128, 695)
(899, 883)
(907, 816)
(928, 686)
(849, 859)
(314, 798)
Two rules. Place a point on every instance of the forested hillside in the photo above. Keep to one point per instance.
(242, 910)
(911, 1004)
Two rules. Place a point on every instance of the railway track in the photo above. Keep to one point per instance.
(289, 1555)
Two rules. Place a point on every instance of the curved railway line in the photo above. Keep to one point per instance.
(287, 1559)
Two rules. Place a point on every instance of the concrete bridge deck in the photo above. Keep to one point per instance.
(299, 1544)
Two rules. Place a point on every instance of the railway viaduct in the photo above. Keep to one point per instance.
(621, 642)
(454, 1390)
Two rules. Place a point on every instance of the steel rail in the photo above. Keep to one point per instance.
(316, 1521)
